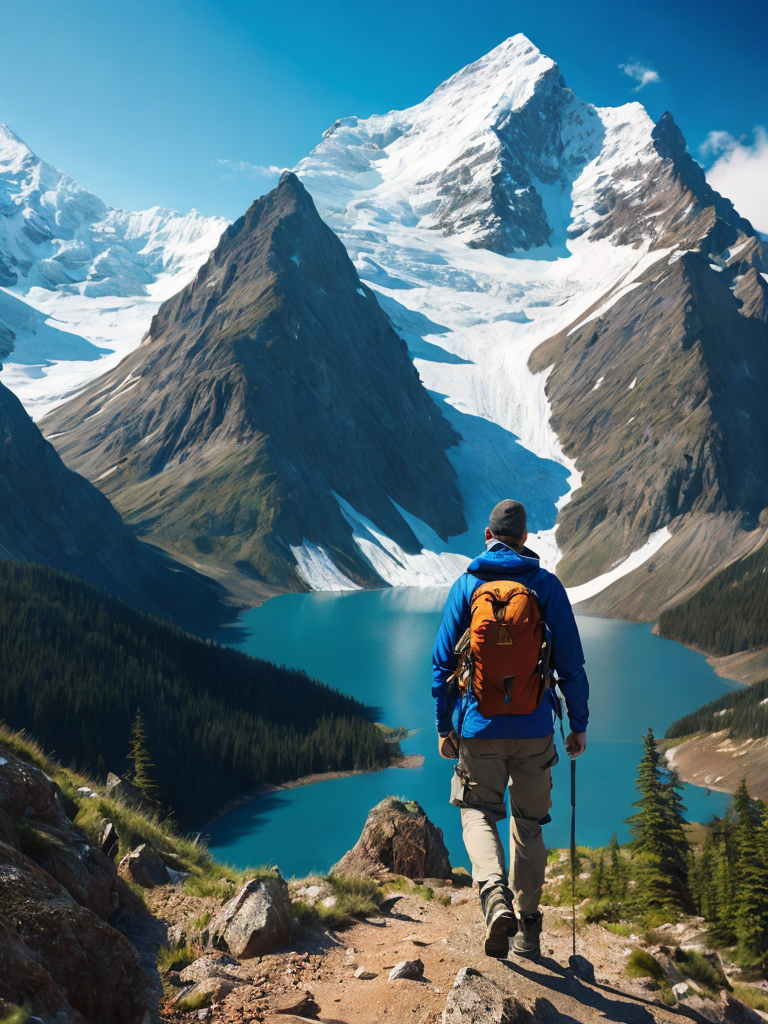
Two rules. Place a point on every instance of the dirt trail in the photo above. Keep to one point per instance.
(445, 938)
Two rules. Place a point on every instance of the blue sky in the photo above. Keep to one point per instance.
(141, 101)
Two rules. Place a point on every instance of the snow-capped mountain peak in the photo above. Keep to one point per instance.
(97, 272)
(489, 155)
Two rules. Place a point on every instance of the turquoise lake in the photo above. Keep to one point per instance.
(377, 646)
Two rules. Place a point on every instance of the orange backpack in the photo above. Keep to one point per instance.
(504, 654)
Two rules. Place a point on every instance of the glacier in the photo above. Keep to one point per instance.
(91, 277)
(411, 194)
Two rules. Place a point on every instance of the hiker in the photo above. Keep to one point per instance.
(491, 666)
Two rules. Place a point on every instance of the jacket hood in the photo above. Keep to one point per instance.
(505, 558)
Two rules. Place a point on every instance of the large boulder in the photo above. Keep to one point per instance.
(475, 999)
(255, 921)
(27, 792)
(145, 867)
(124, 791)
(398, 838)
(214, 965)
(85, 963)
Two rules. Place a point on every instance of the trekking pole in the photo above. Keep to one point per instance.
(573, 849)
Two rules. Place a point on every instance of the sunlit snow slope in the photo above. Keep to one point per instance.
(80, 281)
(480, 217)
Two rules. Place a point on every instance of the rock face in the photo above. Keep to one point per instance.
(475, 999)
(51, 515)
(661, 399)
(657, 390)
(398, 838)
(255, 921)
(57, 953)
(270, 404)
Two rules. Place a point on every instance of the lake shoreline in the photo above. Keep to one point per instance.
(408, 761)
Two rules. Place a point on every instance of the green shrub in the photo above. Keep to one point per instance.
(603, 910)
(640, 964)
(174, 959)
(696, 967)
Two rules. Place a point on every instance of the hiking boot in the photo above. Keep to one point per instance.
(528, 940)
(500, 919)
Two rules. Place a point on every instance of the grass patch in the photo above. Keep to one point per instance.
(174, 959)
(617, 928)
(356, 896)
(410, 888)
(752, 996)
(202, 922)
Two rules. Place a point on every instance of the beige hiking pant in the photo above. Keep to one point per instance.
(490, 766)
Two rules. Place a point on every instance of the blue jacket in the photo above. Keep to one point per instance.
(566, 655)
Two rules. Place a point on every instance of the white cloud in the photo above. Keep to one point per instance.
(640, 73)
(249, 170)
(717, 143)
(741, 174)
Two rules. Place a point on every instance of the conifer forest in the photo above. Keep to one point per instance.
(94, 681)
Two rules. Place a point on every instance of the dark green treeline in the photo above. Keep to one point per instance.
(76, 666)
(728, 614)
(743, 712)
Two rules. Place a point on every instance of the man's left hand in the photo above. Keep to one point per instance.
(449, 746)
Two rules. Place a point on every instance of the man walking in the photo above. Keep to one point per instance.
(507, 624)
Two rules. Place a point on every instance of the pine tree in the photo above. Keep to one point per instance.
(598, 878)
(660, 846)
(752, 910)
(142, 765)
(617, 877)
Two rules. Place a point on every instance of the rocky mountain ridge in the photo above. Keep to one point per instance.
(633, 267)
(270, 397)
(51, 515)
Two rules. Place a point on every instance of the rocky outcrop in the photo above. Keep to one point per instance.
(255, 921)
(268, 389)
(410, 970)
(123, 790)
(144, 866)
(58, 954)
(398, 838)
(49, 514)
(475, 999)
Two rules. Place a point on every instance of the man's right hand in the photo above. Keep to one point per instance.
(449, 747)
(575, 743)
